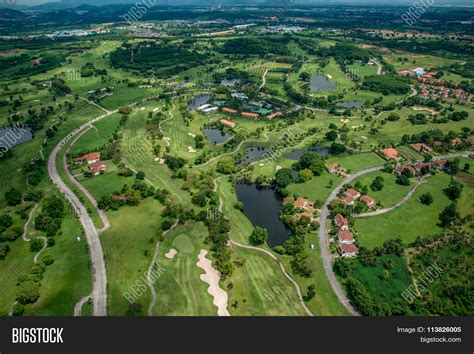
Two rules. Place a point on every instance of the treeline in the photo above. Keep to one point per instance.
(167, 59)
(256, 46)
(385, 84)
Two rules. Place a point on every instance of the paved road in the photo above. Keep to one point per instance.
(99, 291)
(100, 212)
(323, 237)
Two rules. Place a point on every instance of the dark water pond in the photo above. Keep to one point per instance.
(252, 153)
(216, 136)
(296, 155)
(13, 136)
(350, 104)
(262, 207)
(199, 100)
(320, 83)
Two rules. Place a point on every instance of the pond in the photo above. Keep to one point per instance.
(199, 100)
(296, 155)
(13, 136)
(262, 207)
(216, 136)
(320, 83)
(350, 104)
(252, 153)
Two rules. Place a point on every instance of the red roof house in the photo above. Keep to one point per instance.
(345, 237)
(368, 200)
(348, 250)
(391, 153)
(341, 222)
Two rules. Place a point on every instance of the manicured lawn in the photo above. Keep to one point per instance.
(128, 248)
(179, 289)
(317, 188)
(391, 192)
(260, 288)
(410, 220)
(106, 183)
(358, 162)
(97, 136)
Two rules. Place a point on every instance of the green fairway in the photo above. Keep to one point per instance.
(179, 289)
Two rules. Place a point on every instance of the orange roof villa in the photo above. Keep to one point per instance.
(249, 115)
(227, 123)
(391, 153)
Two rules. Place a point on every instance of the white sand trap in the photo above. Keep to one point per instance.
(364, 137)
(191, 149)
(345, 120)
(329, 76)
(142, 109)
(162, 161)
(166, 138)
(192, 135)
(261, 164)
(278, 168)
(171, 253)
(155, 109)
(212, 277)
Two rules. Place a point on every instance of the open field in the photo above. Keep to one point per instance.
(128, 249)
(409, 221)
(391, 192)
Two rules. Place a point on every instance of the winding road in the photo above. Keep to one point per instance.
(323, 236)
(99, 281)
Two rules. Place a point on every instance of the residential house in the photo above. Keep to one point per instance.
(391, 153)
(369, 201)
(421, 147)
(354, 194)
(341, 222)
(93, 157)
(348, 250)
(301, 203)
(345, 237)
(348, 200)
(332, 167)
(98, 167)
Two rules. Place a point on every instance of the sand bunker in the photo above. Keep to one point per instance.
(212, 277)
(192, 135)
(171, 253)
(191, 149)
(345, 120)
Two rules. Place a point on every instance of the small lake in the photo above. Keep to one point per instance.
(350, 104)
(230, 83)
(262, 207)
(13, 136)
(199, 100)
(216, 136)
(296, 155)
(252, 153)
(320, 83)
